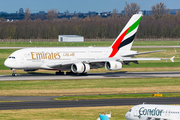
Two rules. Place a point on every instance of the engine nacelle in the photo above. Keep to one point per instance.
(80, 67)
(113, 65)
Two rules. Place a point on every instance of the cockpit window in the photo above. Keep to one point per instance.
(12, 57)
(130, 110)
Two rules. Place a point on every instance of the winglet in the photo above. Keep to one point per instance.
(172, 59)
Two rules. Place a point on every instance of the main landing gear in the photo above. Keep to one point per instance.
(59, 73)
(14, 72)
(78, 74)
(71, 73)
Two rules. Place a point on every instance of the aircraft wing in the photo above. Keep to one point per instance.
(56, 64)
(132, 55)
(96, 63)
(126, 59)
(129, 59)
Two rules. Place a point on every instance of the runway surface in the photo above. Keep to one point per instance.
(48, 102)
(87, 103)
(132, 47)
(41, 76)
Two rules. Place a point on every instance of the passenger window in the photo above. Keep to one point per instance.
(13, 57)
(9, 57)
(130, 110)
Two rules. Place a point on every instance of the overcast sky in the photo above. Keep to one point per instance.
(11, 6)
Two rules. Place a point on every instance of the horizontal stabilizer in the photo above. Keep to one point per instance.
(172, 59)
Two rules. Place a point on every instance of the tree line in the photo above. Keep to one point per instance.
(150, 27)
(159, 25)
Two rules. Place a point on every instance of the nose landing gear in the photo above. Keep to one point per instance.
(14, 72)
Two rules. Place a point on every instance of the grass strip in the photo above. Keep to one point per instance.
(76, 113)
(93, 97)
(11, 101)
(88, 87)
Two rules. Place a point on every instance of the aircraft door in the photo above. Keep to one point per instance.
(136, 111)
(23, 58)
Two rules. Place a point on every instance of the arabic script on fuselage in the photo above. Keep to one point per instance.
(68, 54)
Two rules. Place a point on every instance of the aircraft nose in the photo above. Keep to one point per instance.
(7, 63)
(127, 116)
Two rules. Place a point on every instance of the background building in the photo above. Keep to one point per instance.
(21, 11)
(70, 38)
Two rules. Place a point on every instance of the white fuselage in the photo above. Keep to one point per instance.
(154, 112)
(38, 58)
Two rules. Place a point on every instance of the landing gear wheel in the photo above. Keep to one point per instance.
(83, 74)
(59, 73)
(76, 74)
(70, 73)
(67, 73)
(14, 72)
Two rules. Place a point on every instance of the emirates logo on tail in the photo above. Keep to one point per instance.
(130, 29)
(117, 43)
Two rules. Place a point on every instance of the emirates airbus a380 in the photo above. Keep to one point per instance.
(79, 60)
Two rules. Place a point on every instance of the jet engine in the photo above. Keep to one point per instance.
(113, 65)
(80, 68)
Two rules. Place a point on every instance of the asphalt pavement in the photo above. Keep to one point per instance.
(107, 75)
(87, 103)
